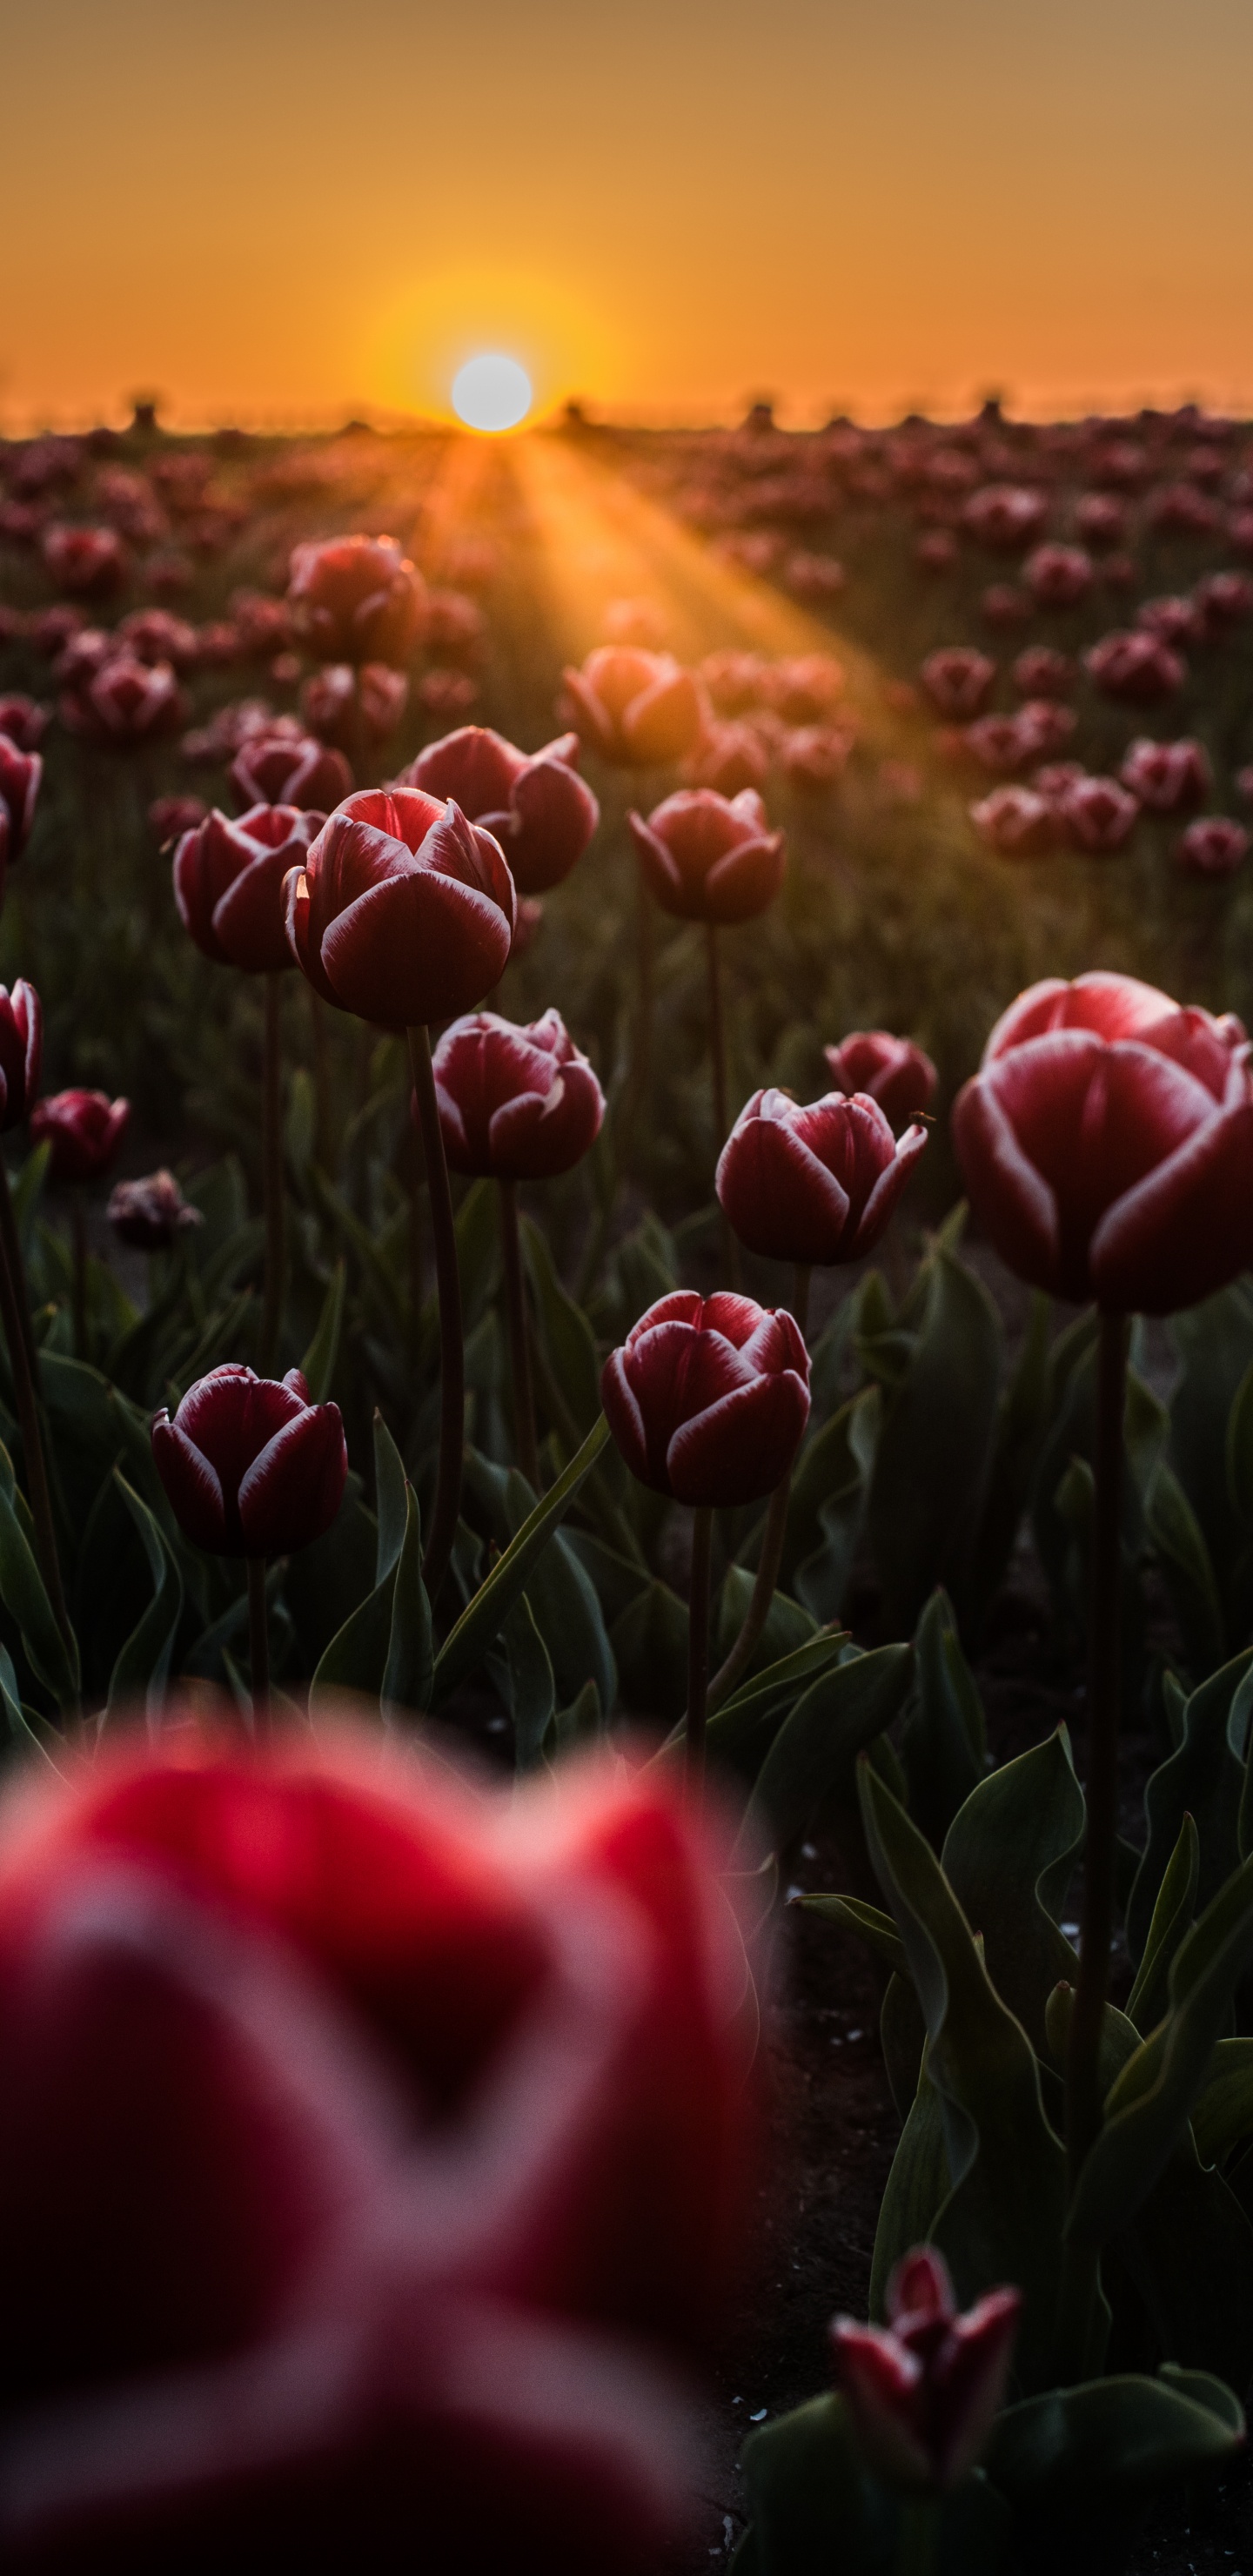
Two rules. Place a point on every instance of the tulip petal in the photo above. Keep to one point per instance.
(744, 882)
(739, 1447)
(624, 1417)
(415, 948)
(294, 1486)
(781, 1200)
(1010, 1198)
(193, 1485)
(877, 1212)
(1185, 1230)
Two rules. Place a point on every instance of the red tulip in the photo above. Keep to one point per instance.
(535, 804)
(1003, 605)
(1099, 815)
(355, 599)
(1058, 576)
(229, 880)
(22, 720)
(334, 701)
(1175, 620)
(1005, 516)
(1020, 822)
(1223, 600)
(893, 1071)
(20, 776)
(1135, 666)
(1101, 521)
(815, 1185)
(171, 816)
(1178, 509)
(91, 562)
(734, 680)
(709, 858)
(150, 1213)
(636, 709)
(21, 1052)
(50, 629)
(403, 912)
(1213, 846)
(923, 2390)
(1106, 1143)
(152, 635)
(1042, 672)
(708, 1398)
(281, 769)
(728, 758)
(84, 1129)
(936, 551)
(515, 1104)
(454, 625)
(1167, 777)
(448, 693)
(126, 701)
(418, 2131)
(815, 757)
(251, 1468)
(262, 625)
(958, 680)
(804, 688)
(814, 577)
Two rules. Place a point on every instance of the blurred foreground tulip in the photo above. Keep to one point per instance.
(535, 804)
(89, 562)
(355, 599)
(1135, 666)
(924, 2389)
(20, 775)
(893, 1071)
(958, 680)
(638, 710)
(1214, 846)
(419, 2154)
(1167, 777)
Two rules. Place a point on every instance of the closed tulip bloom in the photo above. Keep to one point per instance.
(1175, 619)
(89, 562)
(229, 879)
(151, 1213)
(1099, 815)
(958, 679)
(21, 1052)
(171, 816)
(355, 599)
(708, 1398)
(891, 1070)
(250, 1467)
(1042, 672)
(22, 720)
(728, 758)
(1223, 601)
(129, 701)
(1005, 516)
(923, 2391)
(1107, 1142)
(286, 769)
(534, 803)
(1101, 521)
(20, 775)
(1003, 604)
(84, 1129)
(814, 757)
(708, 857)
(1135, 666)
(1019, 822)
(1167, 777)
(1214, 846)
(515, 1103)
(813, 1185)
(153, 635)
(636, 709)
(1058, 576)
(403, 912)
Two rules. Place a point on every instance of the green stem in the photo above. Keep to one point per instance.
(698, 1644)
(443, 1528)
(764, 1588)
(519, 1336)
(258, 1644)
(272, 1172)
(917, 2537)
(321, 1082)
(1083, 2093)
(718, 1063)
(17, 1333)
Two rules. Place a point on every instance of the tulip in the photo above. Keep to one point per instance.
(709, 858)
(153, 635)
(1101, 521)
(20, 776)
(1135, 666)
(1005, 516)
(1167, 777)
(1175, 620)
(891, 1070)
(515, 1104)
(91, 562)
(1105, 1145)
(1058, 576)
(21, 1052)
(1019, 822)
(1223, 600)
(447, 693)
(728, 758)
(84, 1130)
(958, 679)
(355, 599)
(419, 2153)
(937, 551)
(341, 705)
(127, 701)
(805, 688)
(279, 769)
(252, 1469)
(1042, 672)
(924, 2390)
(151, 1214)
(638, 710)
(1099, 815)
(1004, 605)
(536, 805)
(817, 1184)
(171, 816)
(707, 1400)
(22, 719)
(1214, 846)
(404, 912)
(815, 757)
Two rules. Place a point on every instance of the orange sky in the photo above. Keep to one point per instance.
(292, 209)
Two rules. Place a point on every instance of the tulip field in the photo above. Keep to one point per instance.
(626, 1498)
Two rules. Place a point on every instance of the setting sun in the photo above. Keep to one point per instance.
(491, 392)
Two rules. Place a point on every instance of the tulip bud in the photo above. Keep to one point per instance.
(515, 1104)
(22, 720)
(958, 679)
(923, 2390)
(1214, 846)
(1135, 666)
(1167, 777)
(1020, 822)
(21, 1049)
(708, 1398)
(91, 562)
(84, 1129)
(250, 1467)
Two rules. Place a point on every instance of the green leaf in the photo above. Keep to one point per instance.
(916, 2190)
(1240, 1448)
(408, 1673)
(832, 1470)
(1003, 2215)
(934, 1446)
(813, 1753)
(877, 1929)
(1021, 1415)
(143, 1664)
(531, 1687)
(1111, 2441)
(817, 2511)
(484, 1617)
(1223, 2113)
(1176, 1540)
(649, 1640)
(1204, 1779)
(318, 1365)
(1215, 1346)
(391, 1494)
(567, 1336)
(944, 1741)
(741, 1731)
(1171, 1918)
(1009, 1855)
(22, 1591)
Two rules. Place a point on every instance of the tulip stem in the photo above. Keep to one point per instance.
(258, 1643)
(272, 1171)
(698, 1643)
(917, 2534)
(443, 1528)
(519, 1337)
(636, 1090)
(764, 1589)
(20, 1340)
(801, 1276)
(718, 1062)
(321, 1082)
(78, 1225)
(1083, 2093)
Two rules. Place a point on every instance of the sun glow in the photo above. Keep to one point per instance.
(491, 392)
